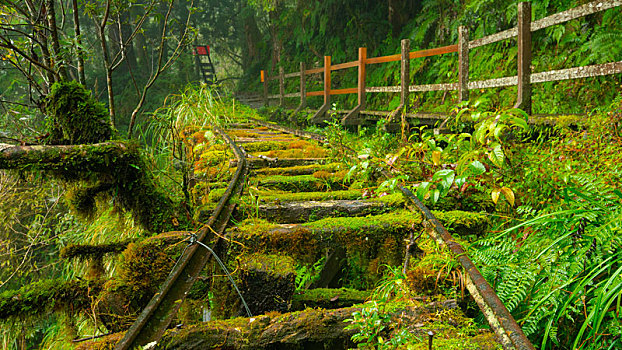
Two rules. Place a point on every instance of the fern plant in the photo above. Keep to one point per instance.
(560, 273)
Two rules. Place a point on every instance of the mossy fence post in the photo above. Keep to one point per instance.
(463, 64)
(281, 86)
(523, 100)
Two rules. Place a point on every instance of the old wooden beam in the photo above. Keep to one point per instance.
(463, 64)
(578, 72)
(291, 75)
(344, 91)
(492, 83)
(297, 330)
(434, 87)
(299, 212)
(344, 65)
(384, 89)
(314, 71)
(574, 13)
(523, 100)
(506, 34)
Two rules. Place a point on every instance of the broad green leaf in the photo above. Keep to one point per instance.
(448, 180)
(497, 156)
(436, 194)
(477, 168)
(422, 190)
(441, 173)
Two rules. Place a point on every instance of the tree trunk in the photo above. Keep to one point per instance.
(79, 52)
(57, 57)
(101, 31)
(252, 36)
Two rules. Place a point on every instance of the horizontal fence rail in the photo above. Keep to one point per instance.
(523, 80)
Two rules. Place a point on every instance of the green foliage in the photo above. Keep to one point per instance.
(564, 293)
(74, 116)
(305, 275)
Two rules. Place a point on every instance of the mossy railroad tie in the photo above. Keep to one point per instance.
(304, 211)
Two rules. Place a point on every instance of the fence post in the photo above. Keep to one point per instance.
(463, 63)
(303, 86)
(523, 100)
(361, 77)
(264, 80)
(405, 75)
(327, 81)
(281, 86)
(303, 94)
(318, 117)
(352, 117)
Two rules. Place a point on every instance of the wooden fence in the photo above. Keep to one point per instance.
(523, 80)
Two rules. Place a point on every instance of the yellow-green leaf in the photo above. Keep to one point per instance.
(436, 157)
(495, 195)
(508, 194)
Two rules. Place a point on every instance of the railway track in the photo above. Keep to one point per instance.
(295, 203)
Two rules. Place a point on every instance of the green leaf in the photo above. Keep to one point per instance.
(497, 156)
(499, 131)
(441, 174)
(495, 195)
(476, 168)
(436, 194)
(436, 157)
(508, 194)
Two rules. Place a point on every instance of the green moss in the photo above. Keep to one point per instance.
(86, 251)
(48, 295)
(115, 169)
(384, 223)
(297, 149)
(463, 222)
(308, 196)
(280, 265)
(263, 146)
(328, 298)
(299, 170)
(146, 264)
(393, 200)
(300, 183)
(74, 116)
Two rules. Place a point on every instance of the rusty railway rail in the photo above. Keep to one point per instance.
(157, 315)
(504, 325)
